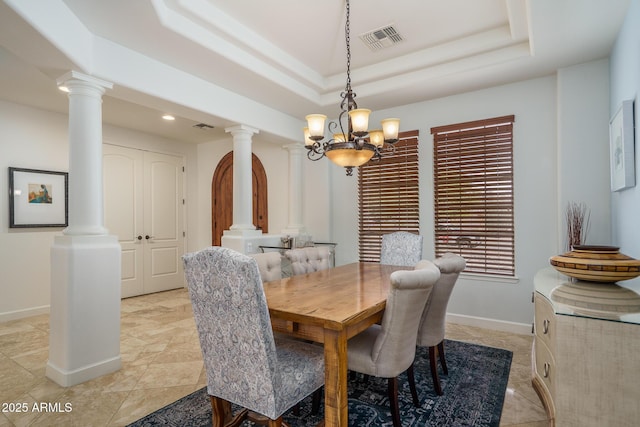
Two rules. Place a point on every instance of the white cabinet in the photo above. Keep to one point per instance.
(586, 358)
(143, 206)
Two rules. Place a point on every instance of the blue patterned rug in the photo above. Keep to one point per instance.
(473, 396)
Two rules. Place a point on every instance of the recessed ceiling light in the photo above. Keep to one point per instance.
(168, 117)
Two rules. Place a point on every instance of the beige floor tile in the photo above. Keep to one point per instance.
(170, 375)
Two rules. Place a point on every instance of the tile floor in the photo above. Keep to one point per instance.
(161, 362)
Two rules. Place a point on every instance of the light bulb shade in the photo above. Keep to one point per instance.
(390, 129)
(359, 120)
(307, 141)
(349, 156)
(339, 137)
(376, 137)
(315, 123)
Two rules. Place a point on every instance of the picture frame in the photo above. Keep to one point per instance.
(38, 198)
(622, 154)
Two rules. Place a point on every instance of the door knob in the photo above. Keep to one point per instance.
(139, 237)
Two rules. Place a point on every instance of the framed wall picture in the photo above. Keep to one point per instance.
(38, 198)
(621, 135)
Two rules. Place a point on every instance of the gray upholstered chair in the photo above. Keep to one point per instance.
(432, 325)
(309, 259)
(269, 265)
(401, 248)
(388, 349)
(245, 365)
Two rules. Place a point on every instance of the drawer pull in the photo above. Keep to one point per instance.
(545, 372)
(545, 326)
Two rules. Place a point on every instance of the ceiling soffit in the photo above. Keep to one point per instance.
(202, 22)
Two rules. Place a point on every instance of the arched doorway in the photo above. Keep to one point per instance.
(222, 197)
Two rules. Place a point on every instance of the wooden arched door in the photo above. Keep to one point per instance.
(222, 197)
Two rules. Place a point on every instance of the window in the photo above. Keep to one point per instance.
(473, 192)
(388, 195)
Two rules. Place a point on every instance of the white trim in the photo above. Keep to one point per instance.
(77, 376)
(27, 312)
(493, 324)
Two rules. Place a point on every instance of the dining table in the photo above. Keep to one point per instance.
(329, 307)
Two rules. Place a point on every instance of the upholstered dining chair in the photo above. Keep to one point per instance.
(309, 259)
(388, 349)
(401, 248)
(269, 265)
(244, 363)
(432, 325)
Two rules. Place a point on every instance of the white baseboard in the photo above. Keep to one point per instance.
(493, 324)
(20, 314)
(86, 373)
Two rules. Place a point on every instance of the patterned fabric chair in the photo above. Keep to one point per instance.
(388, 349)
(269, 265)
(401, 248)
(308, 260)
(432, 325)
(245, 365)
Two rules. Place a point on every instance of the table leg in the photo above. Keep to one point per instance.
(335, 379)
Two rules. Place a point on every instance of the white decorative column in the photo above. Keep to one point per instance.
(242, 227)
(84, 337)
(295, 225)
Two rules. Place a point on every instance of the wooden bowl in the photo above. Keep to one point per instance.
(596, 264)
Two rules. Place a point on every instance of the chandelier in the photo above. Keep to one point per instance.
(356, 146)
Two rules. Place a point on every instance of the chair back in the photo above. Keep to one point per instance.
(309, 259)
(401, 248)
(394, 349)
(432, 325)
(269, 265)
(234, 327)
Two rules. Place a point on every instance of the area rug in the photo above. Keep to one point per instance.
(474, 393)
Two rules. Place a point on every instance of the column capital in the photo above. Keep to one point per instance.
(241, 129)
(294, 147)
(80, 77)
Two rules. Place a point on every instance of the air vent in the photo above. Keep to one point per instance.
(381, 38)
(203, 126)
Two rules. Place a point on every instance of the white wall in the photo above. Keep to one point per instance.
(625, 85)
(33, 139)
(36, 139)
(583, 148)
(536, 105)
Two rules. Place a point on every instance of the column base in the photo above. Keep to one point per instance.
(71, 378)
(294, 230)
(84, 336)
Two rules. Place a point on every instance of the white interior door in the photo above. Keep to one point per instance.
(143, 206)
(163, 226)
(123, 207)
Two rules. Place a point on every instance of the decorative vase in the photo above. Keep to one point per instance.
(596, 264)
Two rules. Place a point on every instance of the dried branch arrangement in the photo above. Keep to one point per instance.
(577, 224)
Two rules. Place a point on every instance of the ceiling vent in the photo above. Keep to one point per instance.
(381, 38)
(203, 126)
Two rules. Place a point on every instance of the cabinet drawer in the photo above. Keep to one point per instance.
(545, 327)
(545, 366)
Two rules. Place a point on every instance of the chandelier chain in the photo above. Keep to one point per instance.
(347, 35)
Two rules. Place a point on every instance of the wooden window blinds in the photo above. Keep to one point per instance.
(388, 195)
(473, 192)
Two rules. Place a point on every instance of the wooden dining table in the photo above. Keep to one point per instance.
(329, 307)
